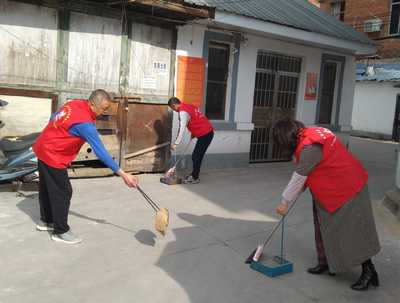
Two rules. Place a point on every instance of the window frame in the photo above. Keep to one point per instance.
(342, 9)
(226, 106)
(392, 4)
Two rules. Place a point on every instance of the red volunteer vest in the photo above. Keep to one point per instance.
(55, 146)
(339, 176)
(198, 125)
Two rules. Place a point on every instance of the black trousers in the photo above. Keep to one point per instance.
(199, 152)
(55, 192)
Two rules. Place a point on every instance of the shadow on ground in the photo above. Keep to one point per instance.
(30, 206)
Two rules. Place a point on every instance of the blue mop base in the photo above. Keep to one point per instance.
(273, 268)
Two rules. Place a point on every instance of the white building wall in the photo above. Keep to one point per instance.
(347, 99)
(190, 43)
(374, 107)
(311, 58)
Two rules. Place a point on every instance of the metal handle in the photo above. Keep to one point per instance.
(183, 154)
(279, 223)
(148, 199)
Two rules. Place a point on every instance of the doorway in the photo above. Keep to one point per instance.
(330, 90)
(275, 96)
(396, 122)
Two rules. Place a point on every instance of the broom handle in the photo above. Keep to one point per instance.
(148, 199)
(278, 224)
(283, 227)
(183, 154)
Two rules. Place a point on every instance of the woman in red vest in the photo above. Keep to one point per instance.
(345, 232)
(199, 127)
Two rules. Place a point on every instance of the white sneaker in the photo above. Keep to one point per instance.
(42, 226)
(67, 237)
(190, 180)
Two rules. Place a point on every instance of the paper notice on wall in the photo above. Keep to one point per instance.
(311, 86)
(149, 82)
(160, 68)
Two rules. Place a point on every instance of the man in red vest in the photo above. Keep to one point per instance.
(199, 127)
(57, 146)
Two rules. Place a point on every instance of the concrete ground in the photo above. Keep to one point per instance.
(214, 227)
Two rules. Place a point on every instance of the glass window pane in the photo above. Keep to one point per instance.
(217, 76)
(215, 106)
(327, 94)
(394, 20)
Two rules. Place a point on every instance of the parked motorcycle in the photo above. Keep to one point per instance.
(19, 161)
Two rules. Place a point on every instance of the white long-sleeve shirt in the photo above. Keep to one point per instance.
(184, 119)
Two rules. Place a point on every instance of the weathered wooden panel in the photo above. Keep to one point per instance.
(94, 52)
(150, 60)
(111, 143)
(147, 126)
(87, 171)
(150, 162)
(28, 44)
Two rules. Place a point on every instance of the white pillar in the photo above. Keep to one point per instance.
(392, 197)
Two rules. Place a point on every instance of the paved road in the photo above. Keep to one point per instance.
(214, 226)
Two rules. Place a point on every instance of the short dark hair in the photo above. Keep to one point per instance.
(174, 101)
(99, 95)
(285, 134)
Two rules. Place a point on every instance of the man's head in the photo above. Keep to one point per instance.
(174, 103)
(99, 101)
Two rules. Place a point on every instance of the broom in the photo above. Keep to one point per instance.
(173, 168)
(162, 214)
(256, 254)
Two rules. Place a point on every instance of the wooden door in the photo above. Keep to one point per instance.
(145, 147)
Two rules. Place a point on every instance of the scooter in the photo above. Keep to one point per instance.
(19, 161)
(20, 164)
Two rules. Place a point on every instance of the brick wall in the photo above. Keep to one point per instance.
(357, 11)
(325, 6)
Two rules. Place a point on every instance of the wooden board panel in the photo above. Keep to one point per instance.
(28, 52)
(94, 52)
(150, 60)
(111, 143)
(147, 125)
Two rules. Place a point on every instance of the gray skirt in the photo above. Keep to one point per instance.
(349, 235)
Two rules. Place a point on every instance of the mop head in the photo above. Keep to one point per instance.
(162, 220)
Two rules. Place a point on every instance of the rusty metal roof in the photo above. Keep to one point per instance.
(293, 13)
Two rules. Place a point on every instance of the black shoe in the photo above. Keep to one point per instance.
(368, 276)
(319, 269)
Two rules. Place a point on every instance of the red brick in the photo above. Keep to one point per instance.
(357, 11)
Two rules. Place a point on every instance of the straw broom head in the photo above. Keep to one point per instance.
(162, 220)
